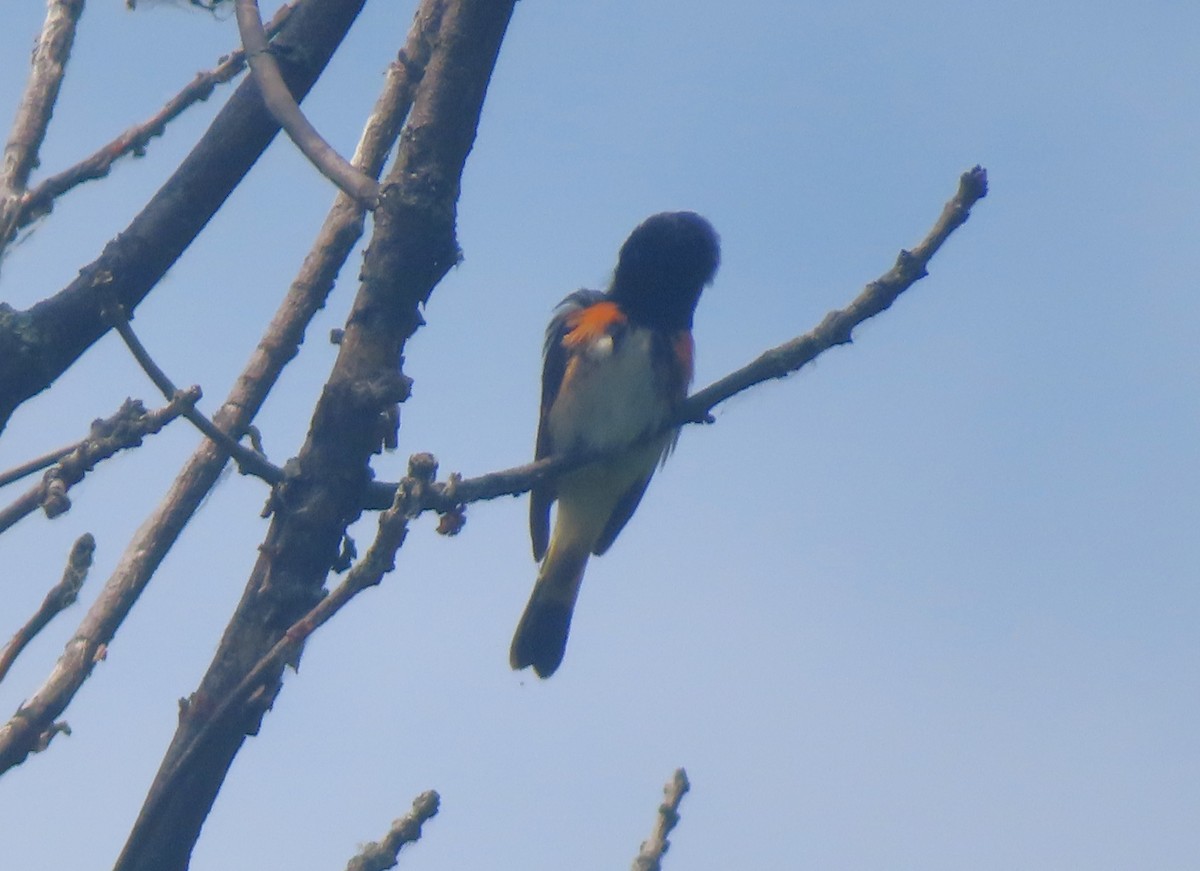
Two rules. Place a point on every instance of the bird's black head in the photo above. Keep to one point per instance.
(663, 266)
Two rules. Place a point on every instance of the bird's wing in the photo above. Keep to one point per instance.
(554, 366)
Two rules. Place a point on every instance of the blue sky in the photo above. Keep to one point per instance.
(930, 603)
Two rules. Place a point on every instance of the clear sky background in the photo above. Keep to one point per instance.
(931, 603)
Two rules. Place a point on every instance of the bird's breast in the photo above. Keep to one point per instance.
(610, 395)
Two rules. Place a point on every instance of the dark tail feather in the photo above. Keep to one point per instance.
(541, 636)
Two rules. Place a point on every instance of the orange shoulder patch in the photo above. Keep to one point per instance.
(589, 324)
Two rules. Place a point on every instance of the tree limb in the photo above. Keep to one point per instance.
(381, 855)
(40, 200)
(249, 461)
(334, 242)
(413, 246)
(16, 473)
(366, 573)
(283, 109)
(37, 105)
(122, 431)
(39, 344)
(837, 326)
(61, 596)
(650, 856)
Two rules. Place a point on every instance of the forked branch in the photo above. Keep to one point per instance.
(39, 344)
(121, 431)
(37, 105)
(154, 539)
(250, 461)
(41, 198)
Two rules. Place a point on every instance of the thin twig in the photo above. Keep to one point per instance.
(381, 855)
(837, 326)
(40, 200)
(37, 105)
(337, 237)
(16, 473)
(835, 329)
(283, 108)
(650, 856)
(251, 462)
(61, 596)
(121, 431)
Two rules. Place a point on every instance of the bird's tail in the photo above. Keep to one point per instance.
(541, 636)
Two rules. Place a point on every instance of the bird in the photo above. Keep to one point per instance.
(616, 368)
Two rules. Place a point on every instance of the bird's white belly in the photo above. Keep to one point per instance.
(608, 397)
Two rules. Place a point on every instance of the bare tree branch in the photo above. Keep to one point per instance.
(335, 240)
(40, 200)
(837, 326)
(16, 473)
(283, 108)
(249, 461)
(649, 858)
(61, 596)
(368, 572)
(37, 105)
(779, 362)
(381, 855)
(123, 430)
(412, 247)
(37, 345)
